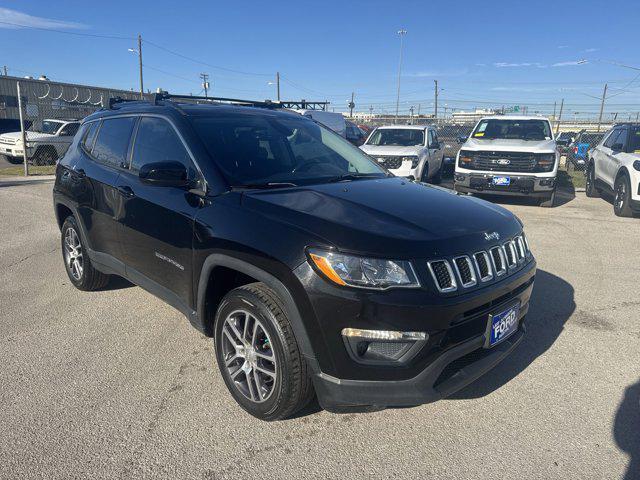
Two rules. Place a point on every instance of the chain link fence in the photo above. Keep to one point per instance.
(50, 113)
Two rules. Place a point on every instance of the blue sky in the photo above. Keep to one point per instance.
(483, 54)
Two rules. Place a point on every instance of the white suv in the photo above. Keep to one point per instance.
(45, 145)
(509, 155)
(411, 151)
(614, 165)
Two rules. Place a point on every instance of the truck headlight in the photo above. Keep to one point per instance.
(465, 159)
(636, 165)
(546, 161)
(363, 272)
(413, 159)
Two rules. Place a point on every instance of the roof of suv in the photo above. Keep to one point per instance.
(514, 117)
(403, 127)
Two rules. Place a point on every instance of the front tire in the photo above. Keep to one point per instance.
(437, 178)
(76, 261)
(622, 200)
(258, 355)
(590, 189)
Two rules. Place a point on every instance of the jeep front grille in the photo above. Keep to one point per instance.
(467, 271)
(442, 275)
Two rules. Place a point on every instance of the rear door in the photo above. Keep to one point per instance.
(435, 150)
(613, 146)
(104, 148)
(157, 221)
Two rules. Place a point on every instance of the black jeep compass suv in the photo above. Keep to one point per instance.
(313, 268)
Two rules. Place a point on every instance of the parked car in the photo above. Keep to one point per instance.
(564, 140)
(614, 166)
(578, 152)
(12, 125)
(331, 120)
(311, 266)
(354, 134)
(411, 151)
(509, 155)
(45, 145)
(367, 129)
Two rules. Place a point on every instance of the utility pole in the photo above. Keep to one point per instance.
(402, 33)
(637, 115)
(5, 71)
(604, 95)
(411, 115)
(435, 104)
(140, 64)
(278, 85)
(205, 83)
(23, 135)
(559, 117)
(554, 109)
(351, 105)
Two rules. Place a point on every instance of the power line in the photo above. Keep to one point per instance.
(80, 34)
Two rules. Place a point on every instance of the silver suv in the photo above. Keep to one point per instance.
(509, 155)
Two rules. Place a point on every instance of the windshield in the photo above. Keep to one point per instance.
(254, 150)
(49, 126)
(634, 141)
(512, 130)
(400, 137)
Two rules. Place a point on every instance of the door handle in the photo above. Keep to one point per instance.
(126, 191)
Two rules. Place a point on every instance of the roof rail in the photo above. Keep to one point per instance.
(113, 101)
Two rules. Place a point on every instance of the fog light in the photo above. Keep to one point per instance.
(547, 182)
(383, 347)
(459, 178)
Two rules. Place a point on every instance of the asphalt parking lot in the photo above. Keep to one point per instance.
(116, 384)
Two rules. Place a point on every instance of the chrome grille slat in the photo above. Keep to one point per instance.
(466, 273)
(443, 275)
(499, 260)
(483, 265)
(510, 253)
(520, 251)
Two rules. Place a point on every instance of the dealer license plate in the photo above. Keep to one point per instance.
(503, 324)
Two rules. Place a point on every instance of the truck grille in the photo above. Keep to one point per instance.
(389, 162)
(481, 267)
(504, 162)
(8, 141)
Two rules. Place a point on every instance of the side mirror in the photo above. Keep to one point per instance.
(164, 174)
(435, 146)
(462, 139)
(617, 147)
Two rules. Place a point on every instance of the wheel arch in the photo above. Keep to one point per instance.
(206, 313)
(622, 171)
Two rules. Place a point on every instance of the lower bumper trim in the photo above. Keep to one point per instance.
(338, 395)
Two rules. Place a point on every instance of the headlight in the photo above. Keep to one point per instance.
(636, 165)
(363, 272)
(546, 161)
(465, 159)
(413, 159)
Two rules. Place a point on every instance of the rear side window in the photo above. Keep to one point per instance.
(112, 143)
(157, 141)
(90, 136)
(69, 130)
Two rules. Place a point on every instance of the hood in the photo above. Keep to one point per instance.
(374, 150)
(29, 135)
(388, 217)
(508, 145)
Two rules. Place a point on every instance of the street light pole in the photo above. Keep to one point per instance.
(402, 33)
(140, 64)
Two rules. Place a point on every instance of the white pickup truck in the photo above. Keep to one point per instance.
(509, 155)
(45, 145)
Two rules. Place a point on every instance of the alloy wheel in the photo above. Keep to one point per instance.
(621, 193)
(73, 253)
(248, 356)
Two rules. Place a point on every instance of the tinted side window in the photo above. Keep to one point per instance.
(612, 138)
(90, 135)
(69, 130)
(157, 141)
(113, 140)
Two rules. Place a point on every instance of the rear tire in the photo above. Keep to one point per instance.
(622, 199)
(437, 178)
(424, 176)
(14, 160)
(590, 189)
(76, 260)
(258, 355)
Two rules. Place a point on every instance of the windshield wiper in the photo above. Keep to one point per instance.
(351, 176)
(266, 185)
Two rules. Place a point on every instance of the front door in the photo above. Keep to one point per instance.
(435, 152)
(157, 221)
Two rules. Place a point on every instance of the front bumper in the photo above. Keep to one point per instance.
(530, 185)
(456, 325)
(450, 372)
(11, 151)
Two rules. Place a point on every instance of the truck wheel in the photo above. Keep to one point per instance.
(45, 155)
(424, 176)
(76, 261)
(622, 200)
(437, 178)
(14, 160)
(548, 202)
(590, 188)
(258, 355)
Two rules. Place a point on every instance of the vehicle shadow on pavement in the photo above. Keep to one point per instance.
(626, 429)
(551, 305)
(116, 283)
(17, 183)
